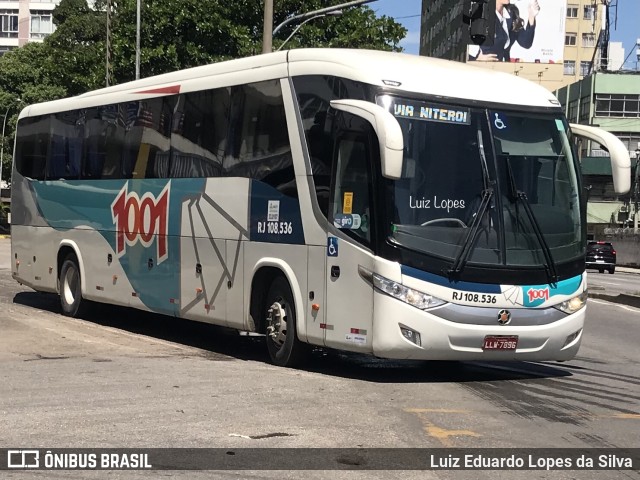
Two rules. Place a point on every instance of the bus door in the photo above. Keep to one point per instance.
(349, 313)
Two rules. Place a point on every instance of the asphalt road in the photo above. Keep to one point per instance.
(123, 378)
(619, 282)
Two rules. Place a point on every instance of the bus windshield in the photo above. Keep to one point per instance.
(484, 186)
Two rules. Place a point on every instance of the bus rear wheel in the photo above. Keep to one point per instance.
(285, 350)
(70, 289)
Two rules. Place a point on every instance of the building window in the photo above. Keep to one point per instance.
(572, 11)
(585, 68)
(570, 39)
(588, 12)
(630, 140)
(584, 109)
(9, 23)
(588, 40)
(617, 105)
(572, 114)
(41, 24)
(569, 67)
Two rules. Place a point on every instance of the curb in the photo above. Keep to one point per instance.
(623, 299)
(631, 270)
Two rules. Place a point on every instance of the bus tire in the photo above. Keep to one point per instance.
(285, 350)
(70, 289)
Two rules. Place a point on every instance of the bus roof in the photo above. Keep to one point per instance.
(409, 73)
(426, 75)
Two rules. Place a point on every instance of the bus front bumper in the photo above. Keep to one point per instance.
(441, 339)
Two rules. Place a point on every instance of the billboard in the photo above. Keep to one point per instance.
(527, 31)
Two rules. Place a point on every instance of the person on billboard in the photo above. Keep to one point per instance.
(510, 28)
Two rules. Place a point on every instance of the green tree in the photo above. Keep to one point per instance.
(77, 48)
(25, 78)
(179, 34)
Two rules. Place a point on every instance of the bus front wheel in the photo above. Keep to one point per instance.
(71, 299)
(285, 349)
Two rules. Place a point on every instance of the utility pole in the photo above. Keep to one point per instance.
(267, 32)
(108, 45)
(138, 39)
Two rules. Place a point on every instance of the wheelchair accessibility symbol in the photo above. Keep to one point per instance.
(332, 247)
(500, 125)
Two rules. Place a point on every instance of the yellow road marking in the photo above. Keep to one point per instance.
(626, 416)
(443, 435)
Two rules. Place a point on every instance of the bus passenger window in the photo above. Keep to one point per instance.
(107, 137)
(65, 151)
(32, 146)
(259, 145)
(199, 134)
(147, 140)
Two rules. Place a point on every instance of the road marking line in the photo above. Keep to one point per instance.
(625, 307)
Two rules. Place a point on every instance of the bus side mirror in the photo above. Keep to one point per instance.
(618, 153)
(387, 129)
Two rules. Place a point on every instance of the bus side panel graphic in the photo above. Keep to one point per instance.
(143, 222)
(150, 255)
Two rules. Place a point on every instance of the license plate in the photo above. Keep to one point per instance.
(500, 342)
(599, 261)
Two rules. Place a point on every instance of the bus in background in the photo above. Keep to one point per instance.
(374, 202)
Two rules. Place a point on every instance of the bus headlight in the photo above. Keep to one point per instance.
(408, 295)
(573, 304)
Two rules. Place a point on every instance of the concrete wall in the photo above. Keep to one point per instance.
(626, 244)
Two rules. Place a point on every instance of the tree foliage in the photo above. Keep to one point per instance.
(175, 34)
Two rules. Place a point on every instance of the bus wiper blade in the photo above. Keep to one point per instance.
(515, 195)
(550, 266)
(467, 246)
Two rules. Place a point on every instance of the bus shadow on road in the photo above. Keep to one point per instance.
(372, 369)
(215, 343)
(219, 344)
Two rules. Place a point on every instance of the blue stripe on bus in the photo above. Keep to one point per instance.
(445, 282)
(534, 295)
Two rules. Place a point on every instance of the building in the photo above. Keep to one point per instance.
(23, 21)
(564, 48)
(610, 101)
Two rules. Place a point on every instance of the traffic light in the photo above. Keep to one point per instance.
(481, 18)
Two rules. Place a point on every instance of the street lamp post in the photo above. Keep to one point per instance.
(303, 16)
(295, 30)
(4, 126)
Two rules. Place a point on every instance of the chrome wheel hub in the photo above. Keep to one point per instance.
(277, 323)
(70, 285)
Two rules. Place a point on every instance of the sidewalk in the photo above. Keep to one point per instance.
(620, 298)
(633, 270)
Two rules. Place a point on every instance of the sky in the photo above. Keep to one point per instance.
(407, 12)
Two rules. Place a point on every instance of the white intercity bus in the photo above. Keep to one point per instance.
(374, 202)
